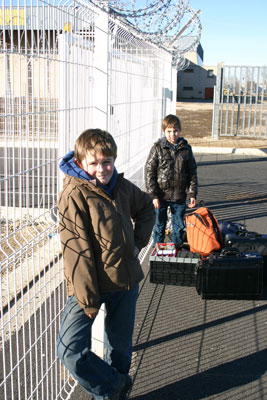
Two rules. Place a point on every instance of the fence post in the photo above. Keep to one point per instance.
(174, 90)
(100, 120)
(63, 102)
(216, 103)
(101, 52)
(169, 93)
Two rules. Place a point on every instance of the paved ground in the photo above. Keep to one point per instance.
(187, 348)
(249, 147)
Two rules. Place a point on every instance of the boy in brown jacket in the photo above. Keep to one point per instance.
(104, 221)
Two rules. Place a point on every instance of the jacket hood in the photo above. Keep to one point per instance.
(69, 167)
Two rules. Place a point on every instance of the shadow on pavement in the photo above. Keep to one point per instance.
(214, 380)
(200, 328)
(232, 161)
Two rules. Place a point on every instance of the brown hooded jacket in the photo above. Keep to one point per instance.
(99, 235)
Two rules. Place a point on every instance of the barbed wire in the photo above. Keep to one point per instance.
(172, 24)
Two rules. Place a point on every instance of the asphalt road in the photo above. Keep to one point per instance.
(235, 188)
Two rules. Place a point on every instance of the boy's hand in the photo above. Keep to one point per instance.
(156, 203)
(92, 315)
(192, 203)
(136, 252)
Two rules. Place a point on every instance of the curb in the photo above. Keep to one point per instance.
(230, 150)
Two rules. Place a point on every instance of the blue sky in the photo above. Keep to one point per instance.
(233, 31)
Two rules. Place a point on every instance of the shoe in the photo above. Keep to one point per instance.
(124, 386)
(178, 247)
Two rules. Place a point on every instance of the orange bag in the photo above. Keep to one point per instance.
(203, 231)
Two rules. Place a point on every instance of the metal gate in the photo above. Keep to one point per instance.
(56, 81)
(240, 102)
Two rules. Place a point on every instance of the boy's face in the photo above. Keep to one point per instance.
(172, 134)
(98, 166)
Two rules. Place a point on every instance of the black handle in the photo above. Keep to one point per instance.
(249, 234)
(230, 252)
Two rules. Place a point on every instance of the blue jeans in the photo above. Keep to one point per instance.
(177, 218)
(98, 377)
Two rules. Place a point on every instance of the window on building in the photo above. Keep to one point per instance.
(188, 88)
(189, 70)
(210, 73)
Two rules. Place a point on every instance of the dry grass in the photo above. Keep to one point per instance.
(196, 118)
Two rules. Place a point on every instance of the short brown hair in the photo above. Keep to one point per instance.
(171, 121)
(97, 140)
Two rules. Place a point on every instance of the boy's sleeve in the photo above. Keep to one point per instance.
(143, 215)
(192, 175)
(151, 176)
(79, 264)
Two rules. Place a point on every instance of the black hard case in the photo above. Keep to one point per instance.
(249, 242)
(180, 270)
(231, 275)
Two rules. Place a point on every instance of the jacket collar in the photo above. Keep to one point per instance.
(180, 143)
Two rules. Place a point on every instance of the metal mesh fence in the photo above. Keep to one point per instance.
(140, 74)
(51, 90)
